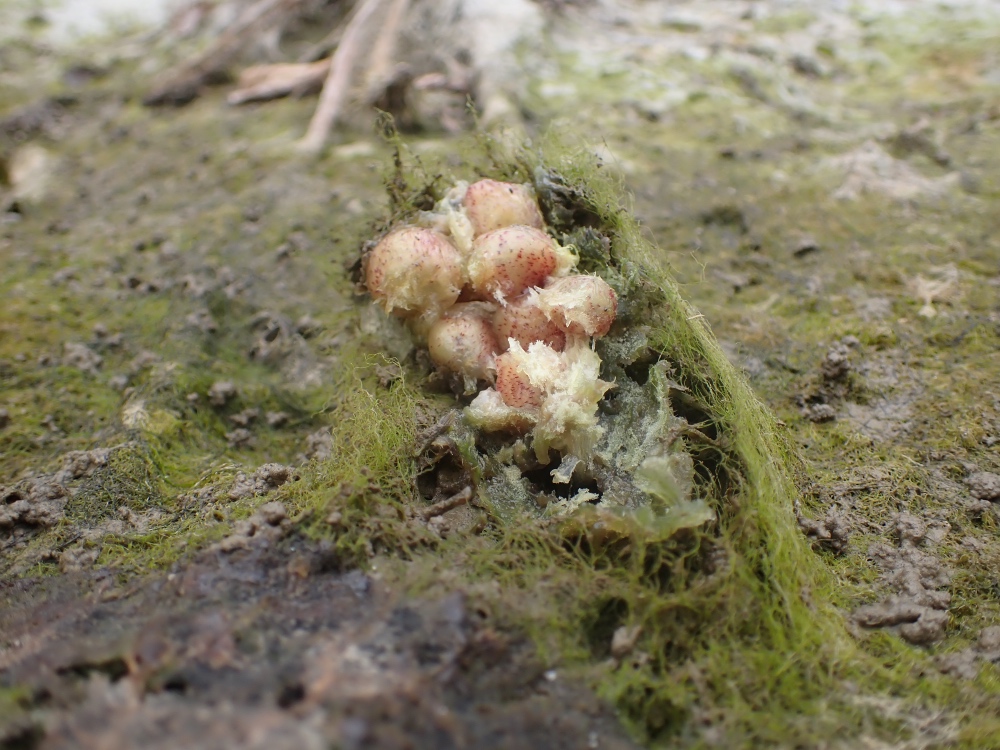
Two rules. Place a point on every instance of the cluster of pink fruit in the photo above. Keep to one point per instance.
(497, 301)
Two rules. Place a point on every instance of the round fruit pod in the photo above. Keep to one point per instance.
(462, 341)
(414, 271)
(491, 204)
(507, 261)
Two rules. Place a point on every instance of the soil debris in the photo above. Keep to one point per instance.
(276, 419)
(233, 649)
(837, 363)
(265, 479)
(49, 116)
(805, 245)
(966, 664)
(871, 169)
(830, 532)
(319, 446)
(82, 357)
(268, 524)
(820, 413)
(221, 392)
(245, 418)
(919, 611)
(36, 502)
(76, 464)
(984, 485)
(79, 558)
(241, 437)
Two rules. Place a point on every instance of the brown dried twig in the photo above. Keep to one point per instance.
(334, 93)
(262, 82)
(439, 509)
(380, 71)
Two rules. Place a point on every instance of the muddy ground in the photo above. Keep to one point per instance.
(179, 334)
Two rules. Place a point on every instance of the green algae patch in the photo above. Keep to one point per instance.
(359, 497)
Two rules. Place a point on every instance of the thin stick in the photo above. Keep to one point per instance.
(262, 82)
(439, 509)
(324, 47)
(335, 88)
(385, 49)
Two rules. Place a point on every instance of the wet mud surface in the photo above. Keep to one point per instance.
(271, 646)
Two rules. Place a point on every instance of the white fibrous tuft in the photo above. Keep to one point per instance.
(580, 305)
(523, 320)
(568, 418)
(450, 215)
(490, 413)
(559, 391)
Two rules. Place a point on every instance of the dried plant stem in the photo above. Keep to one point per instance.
(261, 82)
(439, 509)
(384, 51)
(334, 93)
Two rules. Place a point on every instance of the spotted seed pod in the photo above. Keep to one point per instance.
(490, 205)
(513, 384)
(414, 271)
(579, 305)
(507, 261)
(525, 322)
(463, 341)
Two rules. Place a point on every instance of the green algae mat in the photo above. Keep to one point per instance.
(239, 509)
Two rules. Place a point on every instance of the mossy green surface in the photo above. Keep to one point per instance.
(752, 650)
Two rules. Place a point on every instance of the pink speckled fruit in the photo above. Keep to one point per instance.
(507, 261)
(580, 305)
(463, 341)
(492, 205)
(513, 385)
(525, 322)
(413, 270)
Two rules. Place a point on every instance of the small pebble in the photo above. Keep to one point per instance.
(276, 419)
(221, 392)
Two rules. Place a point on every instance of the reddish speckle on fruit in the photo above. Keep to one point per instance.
(580, 305)
(525, 322)
(492, 205)
(413, 270)
(463, 341)
(513, 385)
(507, 261)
